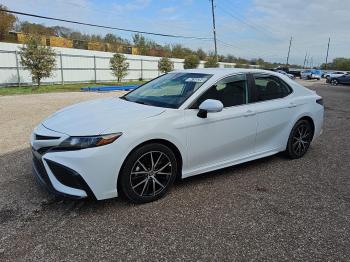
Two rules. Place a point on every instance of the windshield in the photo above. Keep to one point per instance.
(169, 90)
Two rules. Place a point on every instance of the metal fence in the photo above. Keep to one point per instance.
(81, 66)
(72, 68)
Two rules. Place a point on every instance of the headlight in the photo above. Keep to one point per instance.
(81, 142)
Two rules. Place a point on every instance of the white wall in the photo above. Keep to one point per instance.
(82, 66)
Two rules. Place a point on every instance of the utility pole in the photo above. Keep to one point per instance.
(311, 62)
(290, 44)
(329, 40)
(214, 30)
(305, 60)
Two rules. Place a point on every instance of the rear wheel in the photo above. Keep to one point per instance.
(299, 139)
(334, 82)
(148, 173)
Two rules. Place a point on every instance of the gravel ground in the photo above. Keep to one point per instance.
(269, 209)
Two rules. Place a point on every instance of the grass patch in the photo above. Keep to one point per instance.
(20, 90)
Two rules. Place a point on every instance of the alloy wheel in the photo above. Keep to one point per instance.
(301, 139)
(150, 174)
(334, 82)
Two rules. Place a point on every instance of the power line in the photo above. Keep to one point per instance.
(250, 50)
(105, 11)
(106, 27)
(244, 22)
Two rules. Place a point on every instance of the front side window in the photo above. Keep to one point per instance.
(270, 87)
(231, 91)
(169, 90)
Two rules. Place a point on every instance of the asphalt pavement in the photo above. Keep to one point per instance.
(270, 209)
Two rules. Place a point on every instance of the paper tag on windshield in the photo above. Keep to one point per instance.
(196, 80)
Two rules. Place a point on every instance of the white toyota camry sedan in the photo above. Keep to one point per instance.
(180, 124)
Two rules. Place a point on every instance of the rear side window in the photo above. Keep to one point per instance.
(270, 87)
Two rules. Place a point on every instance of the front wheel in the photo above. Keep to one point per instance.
(148, 173)
(299, 139)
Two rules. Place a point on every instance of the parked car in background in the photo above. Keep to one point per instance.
(311, 74)
(330, 75)
(324, 74)
(284, 73)
(343, 79)
(178, 125)
(294, 71)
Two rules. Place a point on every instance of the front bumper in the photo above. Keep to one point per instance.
(91, 172)
(69, 183)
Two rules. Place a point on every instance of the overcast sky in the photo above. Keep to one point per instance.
(246, 28)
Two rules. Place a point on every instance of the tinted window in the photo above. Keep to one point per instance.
(270, 87)
(231, 91)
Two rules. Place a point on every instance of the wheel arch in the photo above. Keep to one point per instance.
(162, 141)
(309, 119)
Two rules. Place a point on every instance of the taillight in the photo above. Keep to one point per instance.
(319, 101)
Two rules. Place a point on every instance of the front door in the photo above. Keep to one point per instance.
(223, 136)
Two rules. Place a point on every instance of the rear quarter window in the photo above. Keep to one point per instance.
(270, 87)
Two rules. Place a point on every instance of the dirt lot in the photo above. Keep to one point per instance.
(270, 209)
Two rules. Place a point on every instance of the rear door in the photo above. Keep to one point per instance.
(274, 108)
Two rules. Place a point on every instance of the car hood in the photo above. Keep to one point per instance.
(95, 116)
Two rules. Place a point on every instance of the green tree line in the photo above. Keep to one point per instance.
(339, 63)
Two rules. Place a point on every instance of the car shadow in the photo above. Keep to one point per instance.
(22, 197)
(234, 170)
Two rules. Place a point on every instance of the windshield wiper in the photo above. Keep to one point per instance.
(140, 102)
(124, 98)
(134, 101)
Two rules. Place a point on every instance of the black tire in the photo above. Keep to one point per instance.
(334, 82)
(299, 139)
(141, 181)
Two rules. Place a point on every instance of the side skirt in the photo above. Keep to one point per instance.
(228, 163)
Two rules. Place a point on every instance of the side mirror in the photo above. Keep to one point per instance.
(209, 106)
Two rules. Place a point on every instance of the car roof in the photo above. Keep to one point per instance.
(224, 71)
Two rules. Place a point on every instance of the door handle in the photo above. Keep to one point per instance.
(291, 105)
(249, 113)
